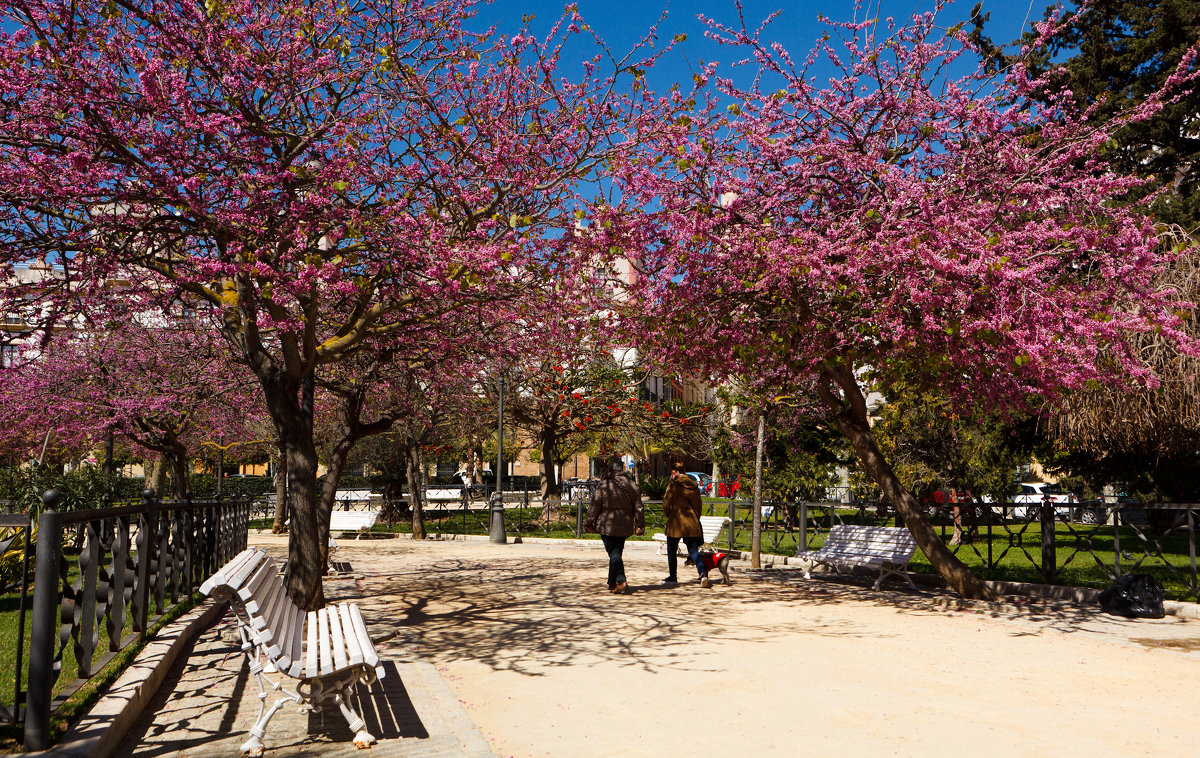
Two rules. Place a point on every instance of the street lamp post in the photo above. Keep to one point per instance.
(496, 521)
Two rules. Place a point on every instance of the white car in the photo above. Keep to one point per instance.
(1035, 493)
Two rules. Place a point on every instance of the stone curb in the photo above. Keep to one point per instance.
(98, 733)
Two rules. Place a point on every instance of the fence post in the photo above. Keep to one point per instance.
(732, 518)
(44, 631)
(1049, 557)
(1117, 539)
(578, 514)
(802, 537)
(145, 548)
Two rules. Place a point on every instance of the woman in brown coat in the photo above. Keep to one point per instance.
(616, 512)
(682, 509)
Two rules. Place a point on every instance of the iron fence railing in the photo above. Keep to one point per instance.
(102, 579)
(1085, 544)
(1081, 544)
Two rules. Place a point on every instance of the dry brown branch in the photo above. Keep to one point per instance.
(1133, 418)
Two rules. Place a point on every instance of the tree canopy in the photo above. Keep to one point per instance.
(899, 221)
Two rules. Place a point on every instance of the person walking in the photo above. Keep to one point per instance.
(682, 508)
(616, 513)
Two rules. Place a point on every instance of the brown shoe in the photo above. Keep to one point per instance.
(621, 588)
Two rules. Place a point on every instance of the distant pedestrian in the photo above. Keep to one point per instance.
(682, 508)
(616, 513)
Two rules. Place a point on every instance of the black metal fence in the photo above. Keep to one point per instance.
(102, 579)
(1088, 544)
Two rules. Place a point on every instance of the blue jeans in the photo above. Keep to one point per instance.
(614, 546)
(693, 550)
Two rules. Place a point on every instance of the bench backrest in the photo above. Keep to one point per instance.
(444, 493)
(888, 542)
(711, 526)
(352, 520)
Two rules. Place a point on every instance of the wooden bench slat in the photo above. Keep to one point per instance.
(354, 651)
(274, 595)
(296, 669)
(326, 655)
(370, 657)
(256, 592)
(337, 639)
(287, 631)
(223, 575)
(312, 667)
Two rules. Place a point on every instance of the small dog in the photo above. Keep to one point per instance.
(718, 561)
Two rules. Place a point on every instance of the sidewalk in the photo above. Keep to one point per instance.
(520, 650)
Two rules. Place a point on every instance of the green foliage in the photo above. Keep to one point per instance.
(84, 488)
(1120, 52)
(1143, 477)
(13, 557)
(801, 456)
(655, 487)
(205, 485)
(932, 446)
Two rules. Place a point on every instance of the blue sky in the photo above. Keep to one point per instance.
(622, 22)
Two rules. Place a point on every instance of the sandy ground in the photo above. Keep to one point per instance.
(548, 662)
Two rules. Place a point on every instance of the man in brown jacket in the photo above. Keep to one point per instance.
(682, 509)
(616, 512)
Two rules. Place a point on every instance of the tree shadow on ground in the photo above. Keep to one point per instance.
(531, 614)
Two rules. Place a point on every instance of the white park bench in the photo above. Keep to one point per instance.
(325, 653)
(710, 526)
(350, 521)
(443, 495)
(887, 548)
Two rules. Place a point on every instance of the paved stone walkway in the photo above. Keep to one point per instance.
(209, 702)
(518, 650)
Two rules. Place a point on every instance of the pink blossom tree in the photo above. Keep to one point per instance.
(165, 388)
(888, 220)
(328, 176)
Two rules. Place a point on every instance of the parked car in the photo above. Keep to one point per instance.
(727, 488)
(1034, 493)
(943, 502)
(703, 480)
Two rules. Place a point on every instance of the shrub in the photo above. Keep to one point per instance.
(655, 487)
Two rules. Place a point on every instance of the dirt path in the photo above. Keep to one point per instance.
(547, 662)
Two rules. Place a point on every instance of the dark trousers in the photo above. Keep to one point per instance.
(693, 550)
(614, 546)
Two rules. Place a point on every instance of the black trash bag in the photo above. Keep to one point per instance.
(1135, 596)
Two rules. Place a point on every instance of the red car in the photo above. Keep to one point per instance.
(726, 488)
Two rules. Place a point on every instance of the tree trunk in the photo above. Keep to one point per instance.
(158, 476)
(281, 504)
(288, 392)
(178, 460)
(552, 512)
(416, 490)
(290, 406)
(850, 417)
(756, 530)
(306, 533)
